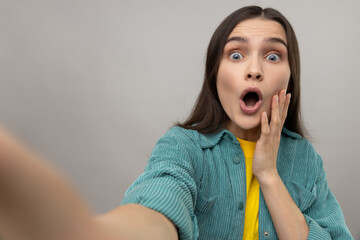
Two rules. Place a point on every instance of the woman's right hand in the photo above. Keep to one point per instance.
(36, 201)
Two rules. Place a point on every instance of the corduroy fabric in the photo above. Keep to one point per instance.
(199, 182)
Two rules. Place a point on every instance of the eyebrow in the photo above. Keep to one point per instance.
(270, 39)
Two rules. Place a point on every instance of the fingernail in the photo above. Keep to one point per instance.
(277, 98)
(284, 92)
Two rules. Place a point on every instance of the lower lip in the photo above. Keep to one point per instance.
(250, 110)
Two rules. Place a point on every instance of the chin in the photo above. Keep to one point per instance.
(245, 125)
(248, 123)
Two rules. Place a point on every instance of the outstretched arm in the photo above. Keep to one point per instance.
(136, 222)
(38, 203)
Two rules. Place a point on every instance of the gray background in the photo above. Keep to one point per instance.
(92, 85)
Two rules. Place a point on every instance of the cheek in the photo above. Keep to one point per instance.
(280, 79)
(225, 82)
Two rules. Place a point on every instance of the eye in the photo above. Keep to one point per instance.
(273, 57)
(236, 56)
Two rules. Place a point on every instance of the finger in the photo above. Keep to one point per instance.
(275, 117)
(265, 129)
(286, 108)
(282, 100)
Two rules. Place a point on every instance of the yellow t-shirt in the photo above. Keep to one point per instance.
(251, 225)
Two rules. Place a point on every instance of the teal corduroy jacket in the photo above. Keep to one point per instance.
(198, 182)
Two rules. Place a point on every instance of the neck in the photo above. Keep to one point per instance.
(246, 134)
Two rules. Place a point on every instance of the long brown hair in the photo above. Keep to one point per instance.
(208, 115)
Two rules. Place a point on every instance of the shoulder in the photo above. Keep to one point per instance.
(193, 137)
(298, 159)
(294, 143)
(183, 134)
(177, 143)
(184, 138)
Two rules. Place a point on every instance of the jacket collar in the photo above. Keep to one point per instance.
(212, 139)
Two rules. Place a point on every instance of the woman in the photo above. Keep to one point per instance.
(239, 167)
(231, 169)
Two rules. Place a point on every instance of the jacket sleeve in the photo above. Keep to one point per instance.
(324, 217)
(167, 184)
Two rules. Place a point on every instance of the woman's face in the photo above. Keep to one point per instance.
(254, 67)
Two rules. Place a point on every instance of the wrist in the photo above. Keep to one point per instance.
(268, 178)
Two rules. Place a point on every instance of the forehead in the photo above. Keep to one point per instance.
(258, 28)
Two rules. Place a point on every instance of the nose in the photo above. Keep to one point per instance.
(254, 71)
(254, 76)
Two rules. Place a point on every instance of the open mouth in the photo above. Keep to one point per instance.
(250, 100)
